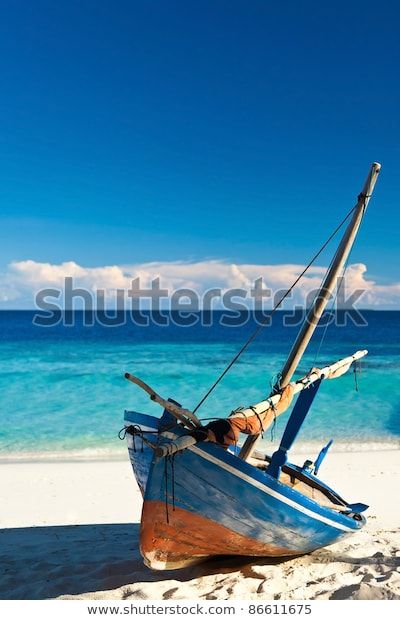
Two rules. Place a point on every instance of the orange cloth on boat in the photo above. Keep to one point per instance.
(254, 424)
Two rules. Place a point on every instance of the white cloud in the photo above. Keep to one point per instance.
(20, 281)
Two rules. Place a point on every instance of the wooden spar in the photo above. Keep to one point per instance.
(315, 312)
(183, 415)
(181, 443)
(328, 372)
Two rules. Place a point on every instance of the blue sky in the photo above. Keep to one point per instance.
(158, 131)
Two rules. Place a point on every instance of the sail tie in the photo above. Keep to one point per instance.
(259, 420)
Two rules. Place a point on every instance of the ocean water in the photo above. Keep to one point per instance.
(63, 392)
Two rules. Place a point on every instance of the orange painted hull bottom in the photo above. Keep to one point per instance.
(189, 538)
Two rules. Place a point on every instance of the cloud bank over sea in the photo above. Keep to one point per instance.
(20, 281)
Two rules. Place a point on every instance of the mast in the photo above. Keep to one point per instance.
(315, 312)
(318, 306)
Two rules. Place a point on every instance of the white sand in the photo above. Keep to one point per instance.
(70, 530)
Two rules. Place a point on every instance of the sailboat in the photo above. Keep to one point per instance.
(205, 496)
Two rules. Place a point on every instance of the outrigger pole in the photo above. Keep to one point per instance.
(315, 312)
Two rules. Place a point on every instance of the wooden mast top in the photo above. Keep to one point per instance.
(315, 312)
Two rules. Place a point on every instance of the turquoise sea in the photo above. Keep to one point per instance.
(63, 392)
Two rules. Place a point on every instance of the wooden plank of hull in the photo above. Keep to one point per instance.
(189, 538)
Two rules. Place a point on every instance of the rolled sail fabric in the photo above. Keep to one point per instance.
(226, 431)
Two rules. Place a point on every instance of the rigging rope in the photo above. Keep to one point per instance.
(267, 319)
(357, 368)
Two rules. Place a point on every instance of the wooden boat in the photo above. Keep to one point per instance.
(204, 496)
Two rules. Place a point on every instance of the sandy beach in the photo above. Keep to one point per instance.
(70, 530)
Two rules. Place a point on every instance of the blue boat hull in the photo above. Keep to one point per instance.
(205, 501)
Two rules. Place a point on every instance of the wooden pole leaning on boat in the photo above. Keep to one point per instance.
(185, 416)
(324, 294)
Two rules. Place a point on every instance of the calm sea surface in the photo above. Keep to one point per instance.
(62, 388)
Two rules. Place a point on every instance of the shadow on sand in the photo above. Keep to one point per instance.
(47, 562)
